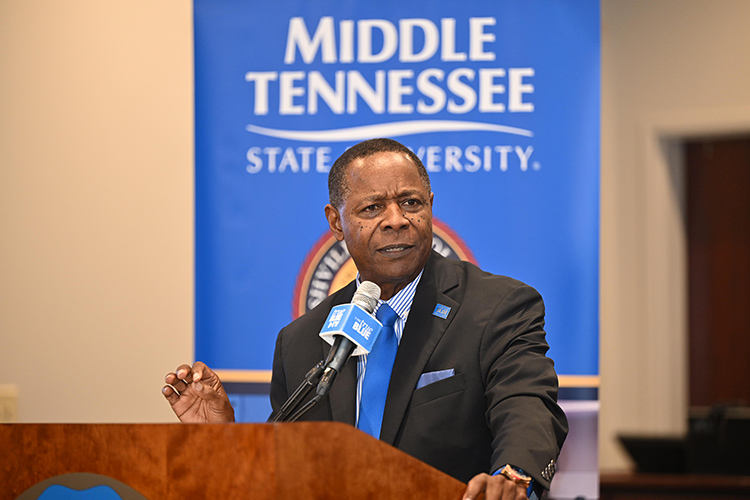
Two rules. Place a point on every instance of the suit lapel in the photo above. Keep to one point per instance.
(343, 395)
(421, 335)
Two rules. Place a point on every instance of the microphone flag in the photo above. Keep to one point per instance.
(354, 323)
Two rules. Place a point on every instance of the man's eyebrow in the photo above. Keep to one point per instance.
(401, 194)
(383, 196)
(373, 197)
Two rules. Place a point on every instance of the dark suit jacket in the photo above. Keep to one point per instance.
(500, 406)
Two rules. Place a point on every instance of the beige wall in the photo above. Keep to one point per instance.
(96, 209)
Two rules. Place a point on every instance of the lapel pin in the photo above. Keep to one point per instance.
(441, 311)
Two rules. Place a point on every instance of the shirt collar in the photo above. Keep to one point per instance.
(401, 302)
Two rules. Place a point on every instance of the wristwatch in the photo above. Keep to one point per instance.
(515, 476)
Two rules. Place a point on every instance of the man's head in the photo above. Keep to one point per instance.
(381, 206)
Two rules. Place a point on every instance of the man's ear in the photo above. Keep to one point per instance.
(334, 222)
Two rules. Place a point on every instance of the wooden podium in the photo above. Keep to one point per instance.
(323, 460)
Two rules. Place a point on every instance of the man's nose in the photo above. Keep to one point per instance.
(395, 217)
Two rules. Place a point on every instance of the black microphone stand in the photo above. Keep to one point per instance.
(311, 380)
(321, 376)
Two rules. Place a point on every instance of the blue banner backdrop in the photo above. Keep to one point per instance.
(500, 100)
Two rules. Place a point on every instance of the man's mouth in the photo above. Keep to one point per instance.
(394, 249)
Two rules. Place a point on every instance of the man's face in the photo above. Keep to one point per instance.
(385, 220)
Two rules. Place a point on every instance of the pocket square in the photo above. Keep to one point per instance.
(432, 377)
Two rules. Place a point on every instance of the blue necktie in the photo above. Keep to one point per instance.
(378, 374)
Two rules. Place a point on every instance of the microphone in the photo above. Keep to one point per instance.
(351, 330)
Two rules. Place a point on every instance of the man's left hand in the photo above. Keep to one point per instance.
(494, 488)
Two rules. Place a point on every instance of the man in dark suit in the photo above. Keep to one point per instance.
(471, 391)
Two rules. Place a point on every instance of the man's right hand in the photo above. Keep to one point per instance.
(197, 396)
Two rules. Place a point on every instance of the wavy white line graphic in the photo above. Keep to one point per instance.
(395, 129)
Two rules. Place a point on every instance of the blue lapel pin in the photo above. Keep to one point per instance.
(441, 311)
